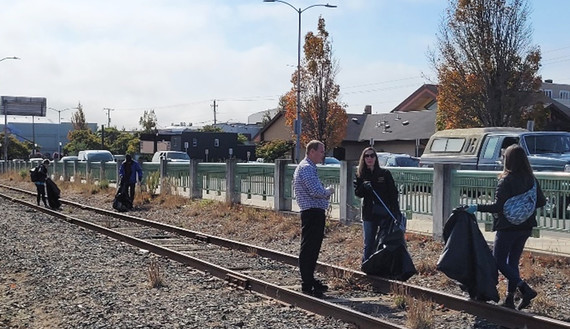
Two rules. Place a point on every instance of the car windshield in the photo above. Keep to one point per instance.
(98, 157)
(543, 144)
(178, 156)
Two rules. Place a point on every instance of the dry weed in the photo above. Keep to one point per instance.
(420, 313)
(426, 267)
(400, 293)
(154, 276)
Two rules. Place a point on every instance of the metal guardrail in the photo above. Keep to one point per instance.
(414, 184)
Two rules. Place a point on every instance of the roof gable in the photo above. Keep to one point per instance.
(421, 99)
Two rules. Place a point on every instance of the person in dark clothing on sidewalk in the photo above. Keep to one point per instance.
(517, 178)
(41, 182)
(129, 172)
(313, 200)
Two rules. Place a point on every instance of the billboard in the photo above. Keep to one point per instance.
(35, 106)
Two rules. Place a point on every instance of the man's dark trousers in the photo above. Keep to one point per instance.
(312, 234)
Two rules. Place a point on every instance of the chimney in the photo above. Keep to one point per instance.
(548, 80)
(368, 109)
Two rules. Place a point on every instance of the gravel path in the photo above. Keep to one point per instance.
(56, 275)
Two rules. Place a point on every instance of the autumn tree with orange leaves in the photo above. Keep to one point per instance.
(323, 117)
(487, 68)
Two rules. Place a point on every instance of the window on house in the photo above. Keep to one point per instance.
(216, 142)
(564, 94)
(194, 142)
(548, 92)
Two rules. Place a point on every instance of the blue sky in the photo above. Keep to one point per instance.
(177, 56)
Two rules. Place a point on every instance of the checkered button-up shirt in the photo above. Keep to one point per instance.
(309, 191)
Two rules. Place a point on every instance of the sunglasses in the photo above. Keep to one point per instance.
(370, 155)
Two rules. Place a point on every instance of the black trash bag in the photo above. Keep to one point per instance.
(122, 202)
(467, 257)
(391, 259)
(53, 194)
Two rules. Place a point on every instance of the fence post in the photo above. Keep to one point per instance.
(64, 170)
(347, 210)
(443, 200)
(162, 170)
(117, 168)
(102, 174)
(233, 195)
(280, 203)
(75, 164)
(195, 190)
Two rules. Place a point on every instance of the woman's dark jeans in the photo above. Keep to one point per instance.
(507, 250)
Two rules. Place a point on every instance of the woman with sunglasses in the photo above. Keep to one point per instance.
(375, 219)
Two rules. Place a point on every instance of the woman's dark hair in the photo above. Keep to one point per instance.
(362, 164)
(516, 161)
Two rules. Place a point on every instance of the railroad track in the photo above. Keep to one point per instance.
(274, 273)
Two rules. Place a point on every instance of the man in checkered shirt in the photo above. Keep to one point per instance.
(313, 200)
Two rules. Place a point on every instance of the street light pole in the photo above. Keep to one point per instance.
(59, 124)
(297, 125)
(6, 120)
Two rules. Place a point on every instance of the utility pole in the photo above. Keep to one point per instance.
(215, 108)
(108, 115)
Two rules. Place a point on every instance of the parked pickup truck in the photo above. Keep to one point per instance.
(482, 148)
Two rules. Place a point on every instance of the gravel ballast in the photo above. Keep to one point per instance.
(57, 275)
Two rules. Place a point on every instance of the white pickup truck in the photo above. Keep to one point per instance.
(482, 148)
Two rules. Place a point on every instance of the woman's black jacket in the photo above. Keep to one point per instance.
(509, 186)
(383, 183)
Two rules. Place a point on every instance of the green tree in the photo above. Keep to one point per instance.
(118, 141)
(80, 140)
(323, 117)
(78, 119)
(274, 149)
(241, 139)
(148, 122)
(17, 149)
(211, 129)
(487, 68)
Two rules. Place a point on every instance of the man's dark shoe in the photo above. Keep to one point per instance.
(319, 286)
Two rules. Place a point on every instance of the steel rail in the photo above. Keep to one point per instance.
(499, 315)
(291, 297)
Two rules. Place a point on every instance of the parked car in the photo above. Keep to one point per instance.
(69, 158)
(331, 161)
(173, 156)
(397, 160)
(95, 156)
